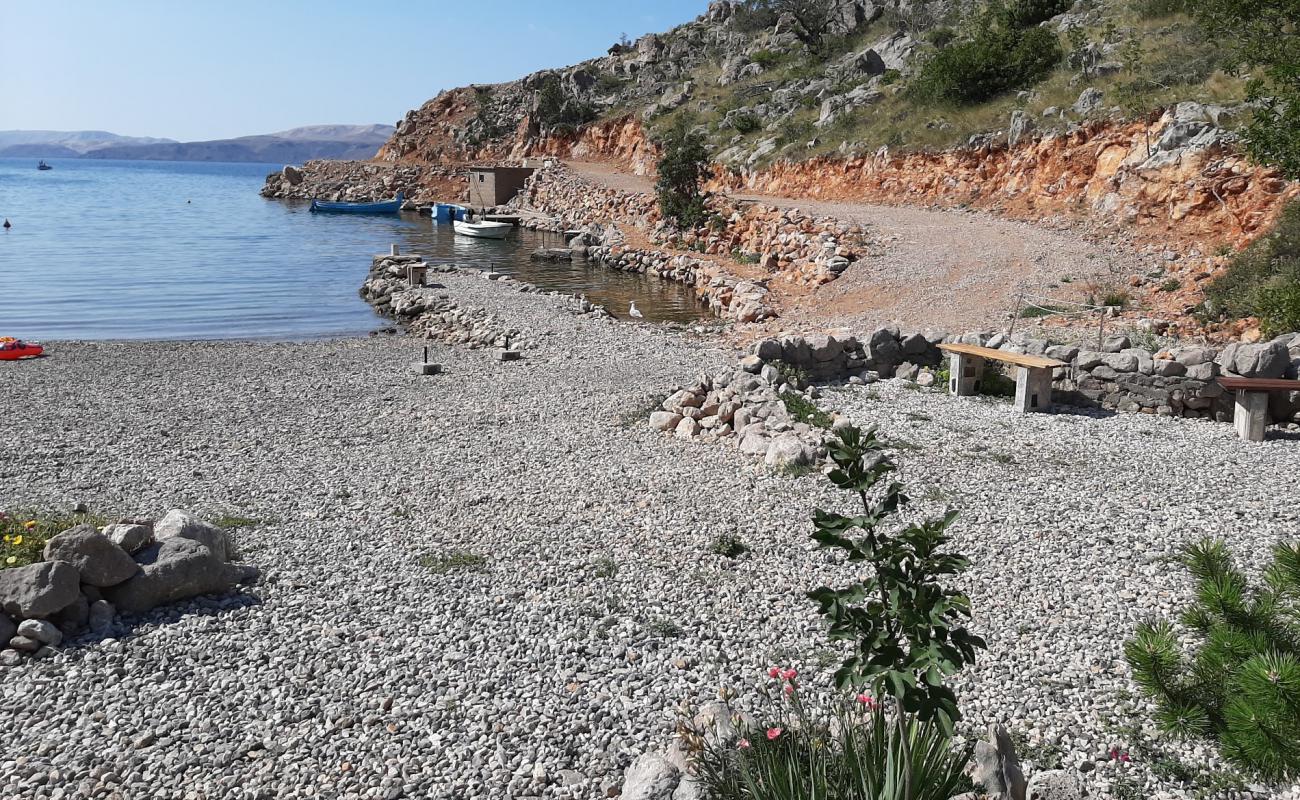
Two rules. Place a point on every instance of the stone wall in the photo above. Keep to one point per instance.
(1175, 382)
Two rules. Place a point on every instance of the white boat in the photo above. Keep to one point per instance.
(483, 230)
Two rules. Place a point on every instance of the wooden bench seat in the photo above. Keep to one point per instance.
(1250, 415)
(1033, 374)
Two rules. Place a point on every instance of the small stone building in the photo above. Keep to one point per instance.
(494, 186)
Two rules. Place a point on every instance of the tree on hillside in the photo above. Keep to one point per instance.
(1265, 36)
(813, 17)
(682, 168)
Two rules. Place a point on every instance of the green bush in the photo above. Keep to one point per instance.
(745, 123)
(806, 749)
(728, 545)
(906, 627)
(1027, 13)
(1158, 9)
(556, 110)
(682, 167)
(1264, 279)
(998, 59)
(1241, 684)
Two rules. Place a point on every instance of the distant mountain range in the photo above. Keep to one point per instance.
(292, 146)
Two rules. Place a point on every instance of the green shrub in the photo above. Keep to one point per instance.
(556, 110)
(1158, 9)
(767, 58)
(1264, 279)
(745, 123)
(1027, 13)
(728, 545)
(905, 626)
(1241, 684)
(23, 534)
(998, 59)
(808, 749)
(682, 167)
(1171, 285)
(804, 410)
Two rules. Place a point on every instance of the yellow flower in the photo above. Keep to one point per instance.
(11, 559)
(29, 524)
(18, 539)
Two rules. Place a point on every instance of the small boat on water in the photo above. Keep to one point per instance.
(382, 207)
(483, 230)
(43, 166)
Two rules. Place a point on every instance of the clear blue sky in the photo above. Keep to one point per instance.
(208, 69)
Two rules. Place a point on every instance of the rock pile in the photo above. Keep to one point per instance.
(363, 181)
(431, 312)
(88, 576)
(745, 405)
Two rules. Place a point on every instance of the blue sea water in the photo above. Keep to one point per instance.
(178, 250)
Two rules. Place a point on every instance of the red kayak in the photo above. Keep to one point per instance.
(12, 349)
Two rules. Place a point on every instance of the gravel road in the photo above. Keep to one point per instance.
(354, 670)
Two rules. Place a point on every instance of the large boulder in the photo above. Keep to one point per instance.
(130, 536)
(100, 562)
(651, 777)
(38, 590)
(175, 568)
(786, 451)
(183, 525)
(1264, 360)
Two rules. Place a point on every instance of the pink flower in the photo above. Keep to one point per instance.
(743, 744)
(789, 688)
(1117, 755)
(867, 700)
(772, 733)
(774, 672)
(789, 674)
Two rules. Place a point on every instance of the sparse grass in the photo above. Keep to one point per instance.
(1044, 310)
(230, 521)
(447, 561)
(728, 545)
(915, 416)
(664, 629)
(1044, 754)
(798, 470)
(1171, 285)
(804, 410)
(23, 533)
(604, 567)
(904, 445)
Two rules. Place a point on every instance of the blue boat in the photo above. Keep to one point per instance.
(383, 207)
(449, 212)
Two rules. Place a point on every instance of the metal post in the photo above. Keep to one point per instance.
(1015, 315)
(1101, 325)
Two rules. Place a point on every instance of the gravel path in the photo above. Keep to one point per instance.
(355, 671)
(949, 268)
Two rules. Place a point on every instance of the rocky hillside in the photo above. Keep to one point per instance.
(763, 89)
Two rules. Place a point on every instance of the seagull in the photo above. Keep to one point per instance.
(633, 311)
(7, 225)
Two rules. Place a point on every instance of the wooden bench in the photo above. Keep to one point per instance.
(1033, 374)
(1250, 415)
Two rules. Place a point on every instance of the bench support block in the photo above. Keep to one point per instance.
(1250, 416)
(1033, 389)
(966, 373)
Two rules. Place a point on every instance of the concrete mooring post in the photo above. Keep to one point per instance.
(425, 368)
(393, 250)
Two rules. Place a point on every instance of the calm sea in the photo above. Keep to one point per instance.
(178, 250)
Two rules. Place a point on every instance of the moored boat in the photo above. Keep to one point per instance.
(382, 207)
(43, 166)
(483, 230)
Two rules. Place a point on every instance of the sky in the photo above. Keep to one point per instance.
(213, 69)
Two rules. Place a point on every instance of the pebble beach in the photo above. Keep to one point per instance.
(499, 581)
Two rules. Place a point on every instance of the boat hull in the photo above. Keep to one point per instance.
(384, 207)
(482, 230)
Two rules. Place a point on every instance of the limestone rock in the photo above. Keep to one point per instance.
(650, 777)
(996, 767)
(1264, 360)
(175, 568)
(183, 525)
(786, 450)
(664, 420)
(38, 590)
(129, 536)
(100, 562)
(41, 630)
